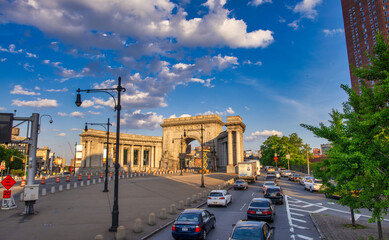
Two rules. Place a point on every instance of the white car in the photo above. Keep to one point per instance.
(277, 174)
(313, 184)
(268, 184)
(219, 197)
(286, 173)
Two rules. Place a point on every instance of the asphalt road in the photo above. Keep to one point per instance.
(292, 220)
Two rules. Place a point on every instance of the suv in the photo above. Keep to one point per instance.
(262, 209)
(274, 194)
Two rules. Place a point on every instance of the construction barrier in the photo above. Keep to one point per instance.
(89, 177)
(79, 177)
(101, 175)
(57, 180)
(67, 178)
(43, 181)
(23, 183)
(110, 174)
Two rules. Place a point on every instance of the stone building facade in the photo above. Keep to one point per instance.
(142, 153)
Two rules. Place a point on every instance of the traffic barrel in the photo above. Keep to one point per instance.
(79, 177)
(23, 183)
(67, 178)
(57, 180)
(110, 174)
(101, 175)
(89, 176)
(43, 181)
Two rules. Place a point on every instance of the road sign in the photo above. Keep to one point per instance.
(7, 194)
(2, 166)
(275, 158)
(8, 182)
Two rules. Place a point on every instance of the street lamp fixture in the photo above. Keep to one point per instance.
(106, 159)
(202, 152)
(181, 155)
(118, 89)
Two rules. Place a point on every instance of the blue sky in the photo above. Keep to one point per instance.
(274, 63)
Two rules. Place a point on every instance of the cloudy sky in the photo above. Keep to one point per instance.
(274, 63)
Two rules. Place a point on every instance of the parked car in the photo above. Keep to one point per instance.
(267, 184)
(240, 184)
(313, 184)
(251, 230)
(193, 223)
(286, 173)
(303, 179)
(274, 194)
(261, 208)
(219, 197)
(294, 177)
(278, 175)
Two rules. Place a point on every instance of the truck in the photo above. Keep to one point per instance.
(247, 171)
(258, 164)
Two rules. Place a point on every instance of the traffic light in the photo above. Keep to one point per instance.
(12, 159)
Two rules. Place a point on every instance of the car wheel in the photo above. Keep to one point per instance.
(204, 237)
(310, 189)
(225, 203)
(214, 223)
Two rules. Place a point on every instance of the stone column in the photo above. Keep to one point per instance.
(230, 149)
(131, 157)
(152, 157)
(239, 152)
(88, 160)
(141, 156)
(102, 154)
(121, 154)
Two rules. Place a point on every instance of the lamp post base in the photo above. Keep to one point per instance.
(105, 190)
(113, 229)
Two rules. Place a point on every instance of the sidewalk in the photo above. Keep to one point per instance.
(332, 228)
(84, 212)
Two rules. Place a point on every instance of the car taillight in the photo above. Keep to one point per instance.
(209, 198)
(174, 228)
(250, 212)
(221, 198)
(266, 213)
(198, 229)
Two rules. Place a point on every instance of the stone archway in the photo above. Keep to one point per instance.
(228, 145)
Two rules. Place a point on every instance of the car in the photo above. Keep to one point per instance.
(313, 184)
(271, 177)
(286, 173)
(245, 229)
(294, 177)
(270, 169)
(219, 197)
(267, 184)
(261, 209)
(274, 194)
(240, 184)
(193, 223)
(303, 179)
(278, 175)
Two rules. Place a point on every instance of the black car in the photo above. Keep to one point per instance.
(252, 230)
(274, 194)
(261, 209)
(193, 223)
(271, 177)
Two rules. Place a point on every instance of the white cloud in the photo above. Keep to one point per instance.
(62, 114)
(259, 2)
(2, 109)
(230, 111)
(67, 73)
(31, 55)
(256, 136)
(40, 103)
(220, 113)
(3, 59)
(306, 8)
(11, 49)
(18, 89)
(61, 134)
(331, 32)
(281, 19)
(57, 90)
(93, 113)
(247, 108)
(138, 120)
(75, 129)
(248, 62)
(77, 114)
(294, 24)
(28, 67)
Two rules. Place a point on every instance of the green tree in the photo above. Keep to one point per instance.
(363, 142)
(6, 154)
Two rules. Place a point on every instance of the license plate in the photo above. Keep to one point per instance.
(214, 202)
(273, 194)
(259, 212)
(184, 229)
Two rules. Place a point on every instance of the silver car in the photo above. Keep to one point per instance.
(240, 184)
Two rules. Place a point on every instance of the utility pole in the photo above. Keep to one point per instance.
(308, 160)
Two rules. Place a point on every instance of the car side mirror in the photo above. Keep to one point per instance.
(233, 225)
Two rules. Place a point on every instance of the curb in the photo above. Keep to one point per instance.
(317, 226)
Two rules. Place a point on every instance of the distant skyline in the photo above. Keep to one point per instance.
(274, 64)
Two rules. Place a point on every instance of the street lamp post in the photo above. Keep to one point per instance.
(106, 159)
(202, 152)
(118, 89)
(181, 156)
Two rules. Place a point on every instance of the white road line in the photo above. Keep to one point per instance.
(288, 214)
(252, 194)
(320, 210)
(312, 205)
(299, 220)
(292, 237)
(304, 237)
(242, 207)
(301, 210)
(299, 227)
(294, 205)
(297, 214)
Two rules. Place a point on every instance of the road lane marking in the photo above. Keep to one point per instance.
(289, 217)
(242, 207)
(253, 194)
(304, 237)
(320, 210)
(297, 214)
(300, 227)
(299, 220)
(301, 210)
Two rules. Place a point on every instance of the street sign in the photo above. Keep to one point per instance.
(8, 182)
(275, 158)
(2, 166)
(7, 194)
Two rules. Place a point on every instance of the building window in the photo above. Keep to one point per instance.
(385, 7)
(370, 15)
(374, 13)
(373, 7)
(384, 1)
(365, 36)
(125, 152)
(366, 42)
(367, 47)
(363, 19)
(362, 14)
(371, 21)
(372, 33)
(361, 9)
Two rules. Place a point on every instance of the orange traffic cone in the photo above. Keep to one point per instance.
(79, 177)
(57, 180)
(67, 178)
(23, 183)
(101, 175)
(43, 181)
(89, 176)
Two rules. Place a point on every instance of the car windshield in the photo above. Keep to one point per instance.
(188, 217)
(260, 204)
(240, 181)
(269, 184)
(287, 171)
(272, 190)
(296, 175)
(246, 233)
(216, 194)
